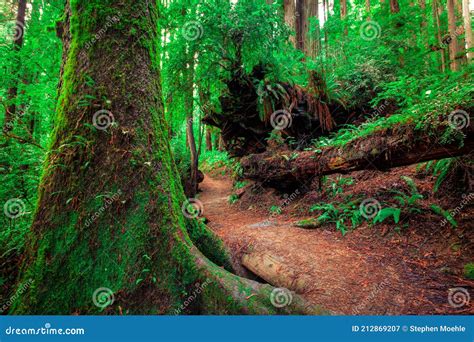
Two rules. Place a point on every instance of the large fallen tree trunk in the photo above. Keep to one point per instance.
(275, 272)
(381, 151)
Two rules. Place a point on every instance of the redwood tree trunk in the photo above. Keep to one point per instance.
(290, 16)
(453, 45)
(208, 140)
(394, 6)
(312, 41)
(467, 28)
(109, 210)
(17, 44)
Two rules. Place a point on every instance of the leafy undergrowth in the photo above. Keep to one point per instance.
(352, 211)
(218, 163)
(424, 104)
(426, 205)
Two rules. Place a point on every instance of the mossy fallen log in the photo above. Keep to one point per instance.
(384, 150)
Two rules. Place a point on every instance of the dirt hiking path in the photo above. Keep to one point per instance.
(348, 274)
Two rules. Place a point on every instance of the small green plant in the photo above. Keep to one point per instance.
(385, 213)
(441, 169)
(469, 270)
(233, 198)
(275, 210)
(240, 184)
(337, 186)
(276, 137)
(444, 213)
(344, 215)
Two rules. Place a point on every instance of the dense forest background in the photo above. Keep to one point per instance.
(270, 82)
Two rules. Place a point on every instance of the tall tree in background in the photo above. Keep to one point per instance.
(110, 206)
(453, 44)
(311, 39)
(17, 43)
(437, 24)
(467, 28)
(394, 6)
(290, 16)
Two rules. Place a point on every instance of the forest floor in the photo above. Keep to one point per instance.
(369, 271)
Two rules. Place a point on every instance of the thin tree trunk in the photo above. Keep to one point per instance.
(394, 6)
(312, 41)
(290, 17)
(17, 45)
(109, 220)
(343, 13)
(467, 29)
(208, 139)
(453, 45)
(438, 34)
(300, 14)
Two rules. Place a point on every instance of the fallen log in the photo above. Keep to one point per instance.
(275, 272)
(381, 151)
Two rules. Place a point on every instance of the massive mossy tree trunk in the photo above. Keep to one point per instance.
(110, 207)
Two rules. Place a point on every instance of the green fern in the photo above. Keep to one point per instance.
(385, 213)
(444, 213)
